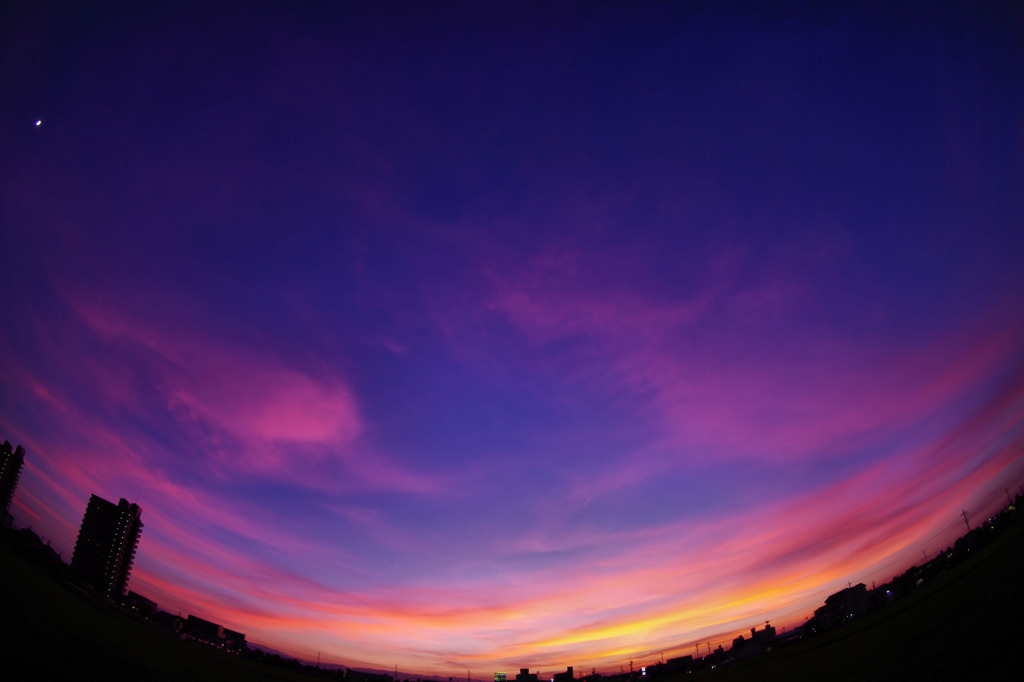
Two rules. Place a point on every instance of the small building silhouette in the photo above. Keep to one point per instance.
(170, 622)
(843, 606)
(526, 676)
(760, 641)
(213, 634)
(679, 665)
(141, 605)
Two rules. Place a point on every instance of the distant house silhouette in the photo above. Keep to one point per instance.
(760, 641)
(843, 606)
(106, 546)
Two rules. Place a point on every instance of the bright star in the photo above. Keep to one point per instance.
(38, 123)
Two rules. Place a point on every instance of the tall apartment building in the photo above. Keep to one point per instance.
(106, 545)
(11, 462)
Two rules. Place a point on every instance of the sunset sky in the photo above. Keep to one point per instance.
(492, 335)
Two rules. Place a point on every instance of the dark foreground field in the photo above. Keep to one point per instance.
(48, 632)
(966, 625)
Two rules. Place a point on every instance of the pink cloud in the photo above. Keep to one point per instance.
(248, 410)
(712, 383)
(247, 394)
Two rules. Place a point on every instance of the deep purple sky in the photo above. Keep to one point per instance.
(493, 335)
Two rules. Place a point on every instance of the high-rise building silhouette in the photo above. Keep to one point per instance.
(11, 462)
(106, 545)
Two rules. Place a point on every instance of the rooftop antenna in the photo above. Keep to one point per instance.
(964, 514)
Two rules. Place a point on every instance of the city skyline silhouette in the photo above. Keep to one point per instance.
(103, 520)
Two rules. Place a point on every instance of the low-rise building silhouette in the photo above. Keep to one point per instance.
(841, 607)
(679, 665)
(170, 621)
(105, 550)
(143, 606)
(526, 676)
(760, 641)
(216, 635)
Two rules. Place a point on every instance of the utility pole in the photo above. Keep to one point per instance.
(1009, 502)
(925, 556)
(965, 519)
